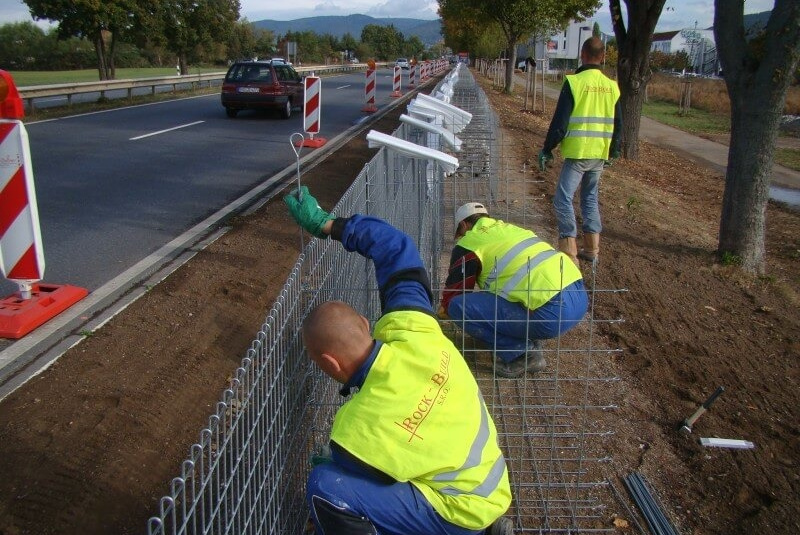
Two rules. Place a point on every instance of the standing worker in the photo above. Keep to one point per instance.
(528, 291)
(588, 124)
(414, 451)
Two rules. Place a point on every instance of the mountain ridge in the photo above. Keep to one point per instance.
(428, 31)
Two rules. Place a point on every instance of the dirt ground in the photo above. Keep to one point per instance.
(90, 445)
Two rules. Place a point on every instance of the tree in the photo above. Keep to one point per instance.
(757, 86)
(519, 19)
(633, 63)
(596, 30)
(101, 22)
(194, 26)
(21, 43)
(386, 41)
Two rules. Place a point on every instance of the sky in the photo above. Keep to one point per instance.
(677, 14)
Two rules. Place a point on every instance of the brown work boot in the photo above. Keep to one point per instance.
(569, 247)
(591, 247)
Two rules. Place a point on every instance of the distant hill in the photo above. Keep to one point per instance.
(428, 31)
(755, 23)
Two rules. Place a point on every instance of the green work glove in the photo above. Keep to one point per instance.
(544, 157)
(306, 212)
(611, 158)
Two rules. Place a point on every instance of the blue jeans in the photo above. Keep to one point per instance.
(509, 327)
(393, 508)
(585, 173)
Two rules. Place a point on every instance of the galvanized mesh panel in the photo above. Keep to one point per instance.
(247, 473)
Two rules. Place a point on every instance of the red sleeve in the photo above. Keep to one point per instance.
(465, 266)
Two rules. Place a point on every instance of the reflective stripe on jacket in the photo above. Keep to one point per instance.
(420, 417)
(517, 265)
(591, 125)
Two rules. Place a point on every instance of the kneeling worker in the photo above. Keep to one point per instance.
(414, 451)
(528, 291)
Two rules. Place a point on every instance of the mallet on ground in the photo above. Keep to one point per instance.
(686, 425)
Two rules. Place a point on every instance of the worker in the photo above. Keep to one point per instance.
(588, 124)
(527, 291)
(414, 450)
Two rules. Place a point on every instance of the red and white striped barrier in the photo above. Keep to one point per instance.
(21, 256)
(21, 253)
(412, 75)
(369, 92)
(312, 104)
(396, 79)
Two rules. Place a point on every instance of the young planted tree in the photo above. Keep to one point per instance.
(757, 81)
(633, 63)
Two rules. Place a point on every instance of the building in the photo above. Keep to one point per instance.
(699, 45)
(561, 51)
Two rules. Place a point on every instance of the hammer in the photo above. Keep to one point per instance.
(686, 425)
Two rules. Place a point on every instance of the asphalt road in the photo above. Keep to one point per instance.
(116, 185)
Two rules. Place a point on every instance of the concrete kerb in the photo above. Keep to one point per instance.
(29, 356)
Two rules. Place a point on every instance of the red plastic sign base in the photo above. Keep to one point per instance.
(315, 143)
(370, 108)
(395, 94)
(20, 316)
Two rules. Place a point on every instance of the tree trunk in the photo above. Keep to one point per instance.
(100, 51)
(633, 63)
(183, 64)
(511, 54)
(112, 69)
(754, 129)
(757, 85)
(632, 87)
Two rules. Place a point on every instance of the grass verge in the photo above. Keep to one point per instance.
(29, 78)
(699, 122)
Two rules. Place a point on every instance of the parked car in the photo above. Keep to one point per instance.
(261, 85)
(402, 63)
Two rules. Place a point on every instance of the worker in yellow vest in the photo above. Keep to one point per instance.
(526, 290)
(588, 123)
(413, 451)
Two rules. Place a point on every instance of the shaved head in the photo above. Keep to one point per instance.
(593, 50)
(334, 330)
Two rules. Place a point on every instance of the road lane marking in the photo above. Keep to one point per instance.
(344, 86)
(163, 131)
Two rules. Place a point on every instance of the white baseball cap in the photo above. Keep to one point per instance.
(466, 210)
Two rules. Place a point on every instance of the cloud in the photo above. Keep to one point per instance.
(328, 8)
(415, 9)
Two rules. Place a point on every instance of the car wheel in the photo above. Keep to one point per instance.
(286, 111)
(231, 112)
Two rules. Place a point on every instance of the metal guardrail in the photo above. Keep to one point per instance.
(30, 93)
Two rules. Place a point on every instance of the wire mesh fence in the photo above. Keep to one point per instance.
(247, 473)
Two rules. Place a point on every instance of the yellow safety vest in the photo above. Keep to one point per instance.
(516, 264)
(420, 417)
(591, 124)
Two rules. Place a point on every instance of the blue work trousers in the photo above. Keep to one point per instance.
(392, 508)
(508, 327)
(574, 173)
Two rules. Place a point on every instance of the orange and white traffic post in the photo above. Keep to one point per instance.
(396, 80)
(412, 75)
(369, 89)
(312, 104)
(21, 253)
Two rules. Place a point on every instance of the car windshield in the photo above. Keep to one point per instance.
(249, 73)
